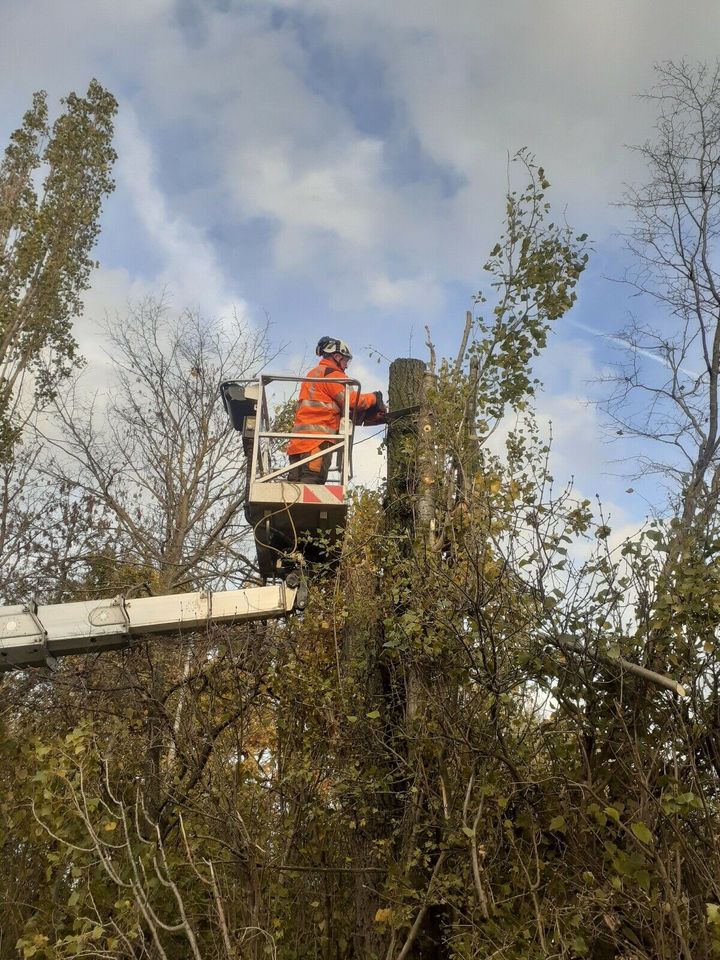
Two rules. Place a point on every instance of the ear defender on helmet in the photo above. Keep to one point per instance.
(323, 344)
(327, 346)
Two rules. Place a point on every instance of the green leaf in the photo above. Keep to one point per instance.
(469, 832)
(557, 824)
(579, 945)
(690, 799)
(373, 715)
(613, 814)
(641, 832)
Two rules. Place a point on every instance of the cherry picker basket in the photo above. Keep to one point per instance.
(289, 519)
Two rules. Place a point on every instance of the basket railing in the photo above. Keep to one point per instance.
(339, 444)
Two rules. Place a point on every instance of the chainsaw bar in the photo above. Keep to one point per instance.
(405, 412)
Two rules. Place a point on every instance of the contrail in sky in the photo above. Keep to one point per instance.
(631, 346)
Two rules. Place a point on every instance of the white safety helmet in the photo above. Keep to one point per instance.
(327, 346)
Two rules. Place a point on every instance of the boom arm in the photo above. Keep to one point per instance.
(32, 635)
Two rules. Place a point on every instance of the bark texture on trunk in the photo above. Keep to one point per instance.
(405, 389)
(412, 490)
(427, 467)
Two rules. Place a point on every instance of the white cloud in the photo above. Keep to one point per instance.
(468, 82)
(60, 46)
(112, 291)
(476, 80)
(334, 195)
(384, 292)
(189, 265)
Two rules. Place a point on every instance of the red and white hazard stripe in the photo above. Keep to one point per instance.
(323, 493)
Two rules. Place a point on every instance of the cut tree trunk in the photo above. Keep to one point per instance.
(405, 389)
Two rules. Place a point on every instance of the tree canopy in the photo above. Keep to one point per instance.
(47, 234)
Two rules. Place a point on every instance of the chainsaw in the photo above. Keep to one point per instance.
(390, 417)
(376, 418)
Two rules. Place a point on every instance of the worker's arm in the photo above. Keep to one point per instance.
(363, 401)
(358, 401)
(374, 415)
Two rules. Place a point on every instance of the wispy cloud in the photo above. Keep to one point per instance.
(630, 346)
(189, 265)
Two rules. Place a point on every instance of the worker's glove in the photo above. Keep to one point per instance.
(379, 402)
(374, 417)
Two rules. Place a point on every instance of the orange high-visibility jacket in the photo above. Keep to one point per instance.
(321, 405)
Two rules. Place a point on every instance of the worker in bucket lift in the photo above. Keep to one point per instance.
(320, 408)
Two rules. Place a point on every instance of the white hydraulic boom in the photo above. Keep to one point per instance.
(32, 635)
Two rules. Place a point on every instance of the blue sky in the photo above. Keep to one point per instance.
(341, 166)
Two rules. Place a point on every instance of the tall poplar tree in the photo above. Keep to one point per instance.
(52, 183)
